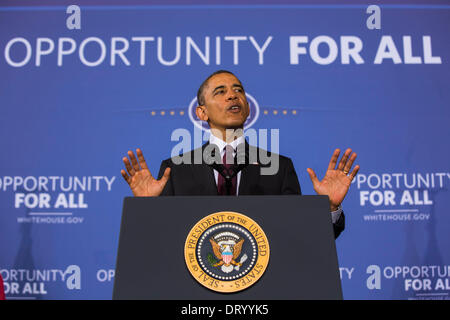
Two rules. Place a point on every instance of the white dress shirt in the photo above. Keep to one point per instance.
(222, 144)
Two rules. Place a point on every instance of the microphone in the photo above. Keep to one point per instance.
(242, 162)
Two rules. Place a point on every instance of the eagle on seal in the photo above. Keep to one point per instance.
(227, 253)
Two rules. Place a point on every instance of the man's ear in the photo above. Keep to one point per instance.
(200, 111)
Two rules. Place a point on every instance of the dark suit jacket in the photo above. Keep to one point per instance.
(198, 179)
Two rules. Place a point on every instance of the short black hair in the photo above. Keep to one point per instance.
(200, 97)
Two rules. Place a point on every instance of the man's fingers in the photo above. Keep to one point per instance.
(141, 159)
(125, 176)
(333, 161)
(344, 158)
(166, 173)
(128, 166)
(349, 164)
(134, 161)
(165, 176)
(354, 172)
(312, 176)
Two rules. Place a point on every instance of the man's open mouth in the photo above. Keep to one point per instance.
(234, 108)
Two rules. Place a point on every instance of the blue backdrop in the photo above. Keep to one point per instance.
(74, 101)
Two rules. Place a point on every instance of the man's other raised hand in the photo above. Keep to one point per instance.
(139, 178)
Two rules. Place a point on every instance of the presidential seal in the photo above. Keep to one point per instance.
(226, 252)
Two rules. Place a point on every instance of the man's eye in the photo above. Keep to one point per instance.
(219, 92)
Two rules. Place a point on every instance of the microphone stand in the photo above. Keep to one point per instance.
(228, 178)
(235, 170)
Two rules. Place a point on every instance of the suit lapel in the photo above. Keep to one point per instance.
(249, 178)
(250, 174)
(204, 175)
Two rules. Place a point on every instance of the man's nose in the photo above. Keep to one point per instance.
(231, 95)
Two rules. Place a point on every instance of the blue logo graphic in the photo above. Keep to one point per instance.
(252, 117)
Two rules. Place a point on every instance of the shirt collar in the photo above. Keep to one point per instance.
(221, 144)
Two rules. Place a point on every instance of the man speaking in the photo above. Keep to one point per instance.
(231, 166)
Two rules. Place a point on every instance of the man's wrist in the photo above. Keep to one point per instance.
(335, 215)
(337, 209)
(334, 208)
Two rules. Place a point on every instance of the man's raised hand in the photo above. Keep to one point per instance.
(337, 180)
(140, 179)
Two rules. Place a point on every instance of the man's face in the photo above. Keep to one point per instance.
(226, 106)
